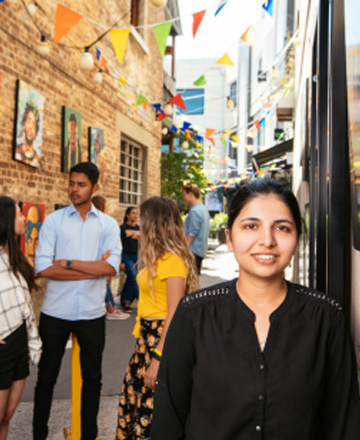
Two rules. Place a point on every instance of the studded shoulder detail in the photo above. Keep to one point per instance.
(318, 295)
(202, 294)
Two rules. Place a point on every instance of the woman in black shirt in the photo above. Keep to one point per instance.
(129, 234)
(258, 357)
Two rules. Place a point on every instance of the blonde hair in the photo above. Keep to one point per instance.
(162, 231)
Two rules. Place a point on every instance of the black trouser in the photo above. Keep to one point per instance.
(198, 261)
(55, 333)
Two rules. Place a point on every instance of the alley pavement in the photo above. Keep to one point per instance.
(219, 265)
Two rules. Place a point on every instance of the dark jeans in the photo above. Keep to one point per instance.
(55, 333)
(131, 289)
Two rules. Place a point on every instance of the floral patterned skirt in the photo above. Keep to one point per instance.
(136, 400)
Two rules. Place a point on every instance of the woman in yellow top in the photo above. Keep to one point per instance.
(167, 273)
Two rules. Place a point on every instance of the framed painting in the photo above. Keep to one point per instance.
(28, 125)
(71, 139)
(34, 214)
(96, 147)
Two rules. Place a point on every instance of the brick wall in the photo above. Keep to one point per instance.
(58, 77)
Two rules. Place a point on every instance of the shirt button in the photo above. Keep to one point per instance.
(261, 397)
(258, 428)
(262, 366)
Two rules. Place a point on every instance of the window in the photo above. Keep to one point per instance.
(194, 101)
(233, 93)
(134, 12)
(131, 173)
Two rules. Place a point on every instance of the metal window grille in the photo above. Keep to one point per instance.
(131, 173)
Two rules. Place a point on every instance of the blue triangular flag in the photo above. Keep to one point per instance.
(157, 107)
(220, 6)
(172, 129)
(268, 6)
(185, 126)
(262, 122)
(199, 138)
(98, 53)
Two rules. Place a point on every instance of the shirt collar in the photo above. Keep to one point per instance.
(93, 211)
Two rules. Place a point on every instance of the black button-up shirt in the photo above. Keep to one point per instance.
(215, 383)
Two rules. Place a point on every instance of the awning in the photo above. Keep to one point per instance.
(272, 153)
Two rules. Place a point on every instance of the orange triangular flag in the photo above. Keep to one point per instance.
(257, 124)
(209, 132)
(248, 36)
(144, 104)
(225, 60)
(65, 19)
(198, 16)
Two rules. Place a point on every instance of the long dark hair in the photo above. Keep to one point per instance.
(18, 262)
(265, 187)
(127, 212)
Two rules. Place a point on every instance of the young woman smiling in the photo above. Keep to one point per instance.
(258, 357)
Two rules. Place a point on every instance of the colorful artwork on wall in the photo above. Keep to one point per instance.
(34, 214)
(28, 125)
(71, 139)
(96, 150)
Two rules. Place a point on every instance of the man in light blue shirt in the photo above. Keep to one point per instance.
(196, 224)
(78, 247)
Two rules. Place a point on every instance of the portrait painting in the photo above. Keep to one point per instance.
(28, 125)
(71, 139)
(34, 214)
(96, 147)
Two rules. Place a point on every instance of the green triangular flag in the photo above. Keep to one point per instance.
(201, 81)
(120, 87)
(141, 99)
(162, 32)
(223, 141)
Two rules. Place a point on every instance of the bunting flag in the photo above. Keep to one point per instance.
(257, 124)
(198, 17)
(225, 60)
(120, 87)
(236, 138)
(178, 101)
(185, 126)
(103, 61)
(141, 99)
(162, 32)
(223, 141)
(248, 36)
(262, 122)
(220, 6)
(98, 53)
(198, 138)
(65, 19)
(234, 144)
(188, 134)
(212, 141)
(172, 129)
(122, 80)
(119, 39)
(201, 81)
(250, 134)
(145, 104)
(268, 6)
(209, 132)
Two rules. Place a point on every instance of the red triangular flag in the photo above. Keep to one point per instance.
(65, 19)
(212, 141)
(198, 16)
(209, 132)
(257, 124)
(177, 100)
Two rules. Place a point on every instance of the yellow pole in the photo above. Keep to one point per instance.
(76, 385)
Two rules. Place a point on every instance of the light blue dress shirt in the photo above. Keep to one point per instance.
(197, 226)
(64, 235)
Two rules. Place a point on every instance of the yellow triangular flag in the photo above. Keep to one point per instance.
(65, 19)
(122, 80)
(236, 138)
(225, 60)
(248, 36)
(119, 39)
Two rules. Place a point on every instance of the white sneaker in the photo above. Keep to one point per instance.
(117, 314)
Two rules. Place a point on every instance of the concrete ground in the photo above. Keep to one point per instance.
(219, 265)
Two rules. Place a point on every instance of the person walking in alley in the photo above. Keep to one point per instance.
(196, 224)
(19, 339)
(130, 234)
(258, 357)
(79, 247)
(167, 273)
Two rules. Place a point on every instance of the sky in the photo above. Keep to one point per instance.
(216, 35)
